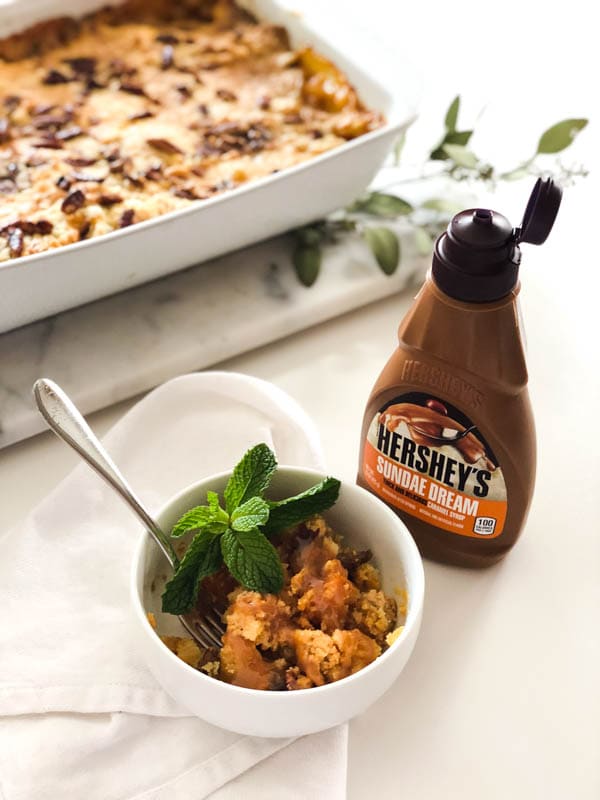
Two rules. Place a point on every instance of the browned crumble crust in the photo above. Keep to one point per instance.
(149, 107)
(330, 620)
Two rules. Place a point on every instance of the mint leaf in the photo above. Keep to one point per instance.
(250, 477)
(202, 558)
(212, 498)
(249, 515)
(252, 560)
(302, 506)
(192, 520)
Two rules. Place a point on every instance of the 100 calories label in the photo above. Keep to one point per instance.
(425, 457)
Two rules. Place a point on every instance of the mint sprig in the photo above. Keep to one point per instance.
(296, 509)
(236, 534)
(250, 477)
(202, 558)
(252, 560)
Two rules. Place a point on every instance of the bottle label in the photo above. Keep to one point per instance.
(425, 457)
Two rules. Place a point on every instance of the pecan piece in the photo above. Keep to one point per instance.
(226, 95)
(50, 142)
(107, 200)
(69, 133)
(73, 202)
(15, 242)
(126, 218)
(140, 115)
(81, 162)
(63, 183)
(186, 194)
(81, 65)
(132, 88)
(43, 227)
(84, 230)
(167, 38)
(165, 146)
(53, 77)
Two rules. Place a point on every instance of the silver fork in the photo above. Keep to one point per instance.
(68, 424)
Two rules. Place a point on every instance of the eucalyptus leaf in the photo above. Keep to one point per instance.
(443, 205)
(423, 241)
(452, 137)
(458, 137)
(560, 136)
(385, 246)
(380, 204)
(452, 114)
(461, 155)
(307, 263)
(309, 235)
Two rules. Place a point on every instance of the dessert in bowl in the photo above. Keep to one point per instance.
(330, 663)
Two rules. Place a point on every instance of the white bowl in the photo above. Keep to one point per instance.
(364, 522)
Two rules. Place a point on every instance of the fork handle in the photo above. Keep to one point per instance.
(65, 419)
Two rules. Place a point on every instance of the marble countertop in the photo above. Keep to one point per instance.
(118, 347)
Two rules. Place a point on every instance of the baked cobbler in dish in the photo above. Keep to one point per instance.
(149, 107)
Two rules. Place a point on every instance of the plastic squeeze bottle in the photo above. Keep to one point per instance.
(448, 438)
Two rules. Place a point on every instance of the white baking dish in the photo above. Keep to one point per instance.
(36, 286)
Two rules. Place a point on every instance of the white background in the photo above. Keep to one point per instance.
(501, 698)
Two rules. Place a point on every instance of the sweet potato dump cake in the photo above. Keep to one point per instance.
(149, 107)
(330, 619)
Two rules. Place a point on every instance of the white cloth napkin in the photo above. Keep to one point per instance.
(81, 716)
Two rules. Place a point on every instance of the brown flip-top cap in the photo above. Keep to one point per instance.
(477, 258)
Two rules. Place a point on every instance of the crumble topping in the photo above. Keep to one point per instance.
(149, 107)
(330, 620)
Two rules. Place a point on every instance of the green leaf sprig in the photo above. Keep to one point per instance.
(237, 534)
(451, 157)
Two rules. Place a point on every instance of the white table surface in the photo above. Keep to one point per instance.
(502, 695)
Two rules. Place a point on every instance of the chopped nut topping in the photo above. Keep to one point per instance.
(140, 115)
(167, 38)
(63, 183)
(165, 146)
(81, 65)
(15, 242)
(107, 200)
(54, 76)
(126, 218)
(132, 88)
(73, 202)
(81, 162)
(225, 94)
(69, 133)
(51, 142)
